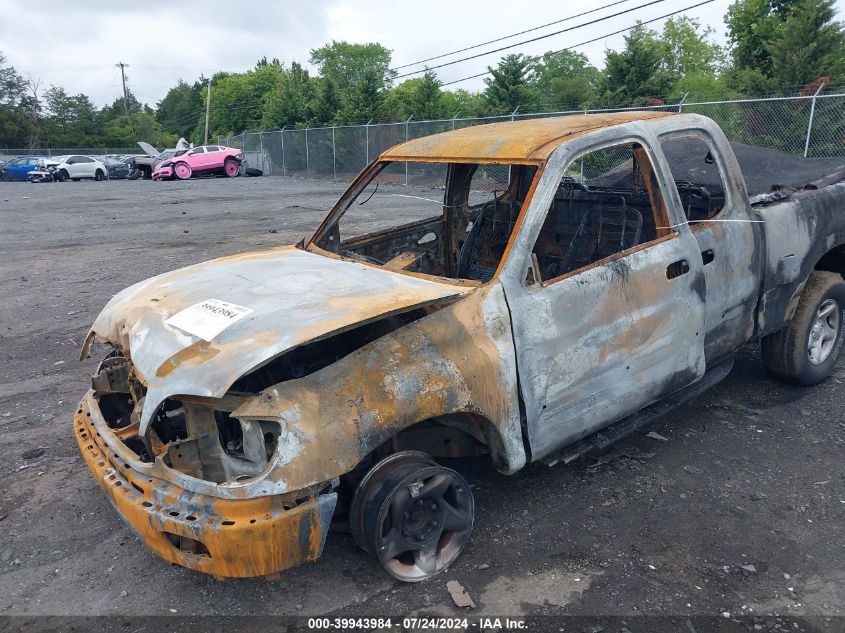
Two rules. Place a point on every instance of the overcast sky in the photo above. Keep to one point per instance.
(76, 45)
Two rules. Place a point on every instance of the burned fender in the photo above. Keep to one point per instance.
(459, 359)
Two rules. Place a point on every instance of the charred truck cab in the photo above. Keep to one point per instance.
(522, 291)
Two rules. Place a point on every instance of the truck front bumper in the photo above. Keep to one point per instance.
(258, 536)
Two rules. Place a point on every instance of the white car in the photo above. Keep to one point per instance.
(75, 167)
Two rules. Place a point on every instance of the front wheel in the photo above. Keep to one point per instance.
(63, 176)
(807, 349)
(7, 177)
(231, 168)
(99, 175)
(413, 515)
(183, 171)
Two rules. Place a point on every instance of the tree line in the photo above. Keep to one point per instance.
(775, 47)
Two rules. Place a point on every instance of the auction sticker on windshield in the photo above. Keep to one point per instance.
(208, 318)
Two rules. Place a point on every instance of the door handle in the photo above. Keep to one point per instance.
(676, 269)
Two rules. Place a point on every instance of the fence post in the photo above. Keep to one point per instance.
(513, 114)
(407, 138)
(307, 164)
(681, 102)
(453, 120)
(334, 155)
(261, 148)
(810, 125)
(284, 164)
(367, 128)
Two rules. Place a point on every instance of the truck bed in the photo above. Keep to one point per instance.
(764, 170)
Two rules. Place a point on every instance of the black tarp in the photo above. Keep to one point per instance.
(763, 169)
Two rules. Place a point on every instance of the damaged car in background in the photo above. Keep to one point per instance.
(522, 291)
(201, 160)
(146, 163)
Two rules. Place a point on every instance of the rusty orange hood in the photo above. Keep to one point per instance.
(286, 297)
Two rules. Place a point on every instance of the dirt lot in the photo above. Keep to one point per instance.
(739, 506)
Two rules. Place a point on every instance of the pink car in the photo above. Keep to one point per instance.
(205, 159)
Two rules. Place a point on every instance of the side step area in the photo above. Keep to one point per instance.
(621, 428)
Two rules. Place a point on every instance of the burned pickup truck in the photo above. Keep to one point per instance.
(522, 291)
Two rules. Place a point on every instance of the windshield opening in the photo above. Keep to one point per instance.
(445, 219)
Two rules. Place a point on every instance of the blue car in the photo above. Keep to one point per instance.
(19, 168)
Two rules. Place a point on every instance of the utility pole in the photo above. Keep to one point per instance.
(207, 110)
(122, 67)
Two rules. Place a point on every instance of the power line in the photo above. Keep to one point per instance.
(535, 39)
(507, 37)
(595, 39)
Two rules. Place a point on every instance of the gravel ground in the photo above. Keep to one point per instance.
(737, 508)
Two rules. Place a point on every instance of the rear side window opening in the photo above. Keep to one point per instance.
(695, 170)
(450, 220)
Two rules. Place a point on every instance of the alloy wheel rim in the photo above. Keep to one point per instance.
(824, 332)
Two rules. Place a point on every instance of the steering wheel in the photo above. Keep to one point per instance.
(693, 190)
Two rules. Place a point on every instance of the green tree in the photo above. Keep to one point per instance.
(427, 102)
(118, 132)
(290, 100)
(566, 80)
(511, 84)
(690, 49)
(360, 73)
(810, 44)
(693, 60)
(348, 64)
(752, 24)
(116, 108)
(637, 73)
(463, 103)
(419, 97)
(70, 120)
(183, 107)
(326, 105)
(238, 99)
(363, 100)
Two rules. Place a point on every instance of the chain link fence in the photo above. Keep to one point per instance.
(811, 126)
(10, 153)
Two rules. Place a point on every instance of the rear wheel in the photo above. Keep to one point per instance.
(183, 171)
(807, 349)
(231, 167)
(413, 515)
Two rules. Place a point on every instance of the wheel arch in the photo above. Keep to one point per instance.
(833, 260)
(452, 435)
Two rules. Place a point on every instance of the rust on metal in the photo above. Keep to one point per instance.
(515, 327)
(529, 140)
